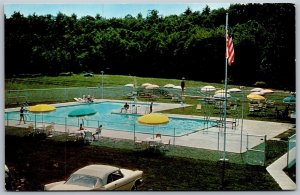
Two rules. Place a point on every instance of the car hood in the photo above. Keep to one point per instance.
(63, 187)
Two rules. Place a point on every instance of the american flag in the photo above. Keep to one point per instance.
(229, 50)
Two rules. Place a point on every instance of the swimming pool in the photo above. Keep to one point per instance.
(109, 117)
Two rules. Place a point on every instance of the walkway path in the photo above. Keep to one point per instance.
(276, 171)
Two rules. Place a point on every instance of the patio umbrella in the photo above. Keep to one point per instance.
(80, 112)
(177, 87)
(234, 90)
(256, 89)
(146, 84)
(153, 119)
(265, 91)
(208, 88)
(255, 97)
(41, 108)
(152, 86)
(290, 100)
(169, 86)
(258, 93)
(220, 91)
(129, 85)
(221, 96)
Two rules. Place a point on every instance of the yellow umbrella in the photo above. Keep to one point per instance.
(39, 108)
(220, 91)
(153, 119)
(255, 97)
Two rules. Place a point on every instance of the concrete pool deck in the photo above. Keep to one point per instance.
(211, 138)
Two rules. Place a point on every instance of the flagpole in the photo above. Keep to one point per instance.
(225, 106)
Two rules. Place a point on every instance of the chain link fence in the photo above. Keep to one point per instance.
(251, 147)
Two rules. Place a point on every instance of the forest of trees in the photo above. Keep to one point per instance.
(191, 44)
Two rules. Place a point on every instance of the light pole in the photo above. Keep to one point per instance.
(243, 98)
(102, 72)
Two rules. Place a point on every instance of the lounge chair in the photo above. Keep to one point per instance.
(198, 108)
(79, 100)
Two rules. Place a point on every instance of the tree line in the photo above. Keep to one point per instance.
(191, 44)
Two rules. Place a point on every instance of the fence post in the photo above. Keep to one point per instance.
(288, 150)
(265, 138)
(66, 125)
(174, 137)
(247, 144)
(218, 140)
(134, 133)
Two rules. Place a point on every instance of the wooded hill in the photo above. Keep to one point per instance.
(191, 44)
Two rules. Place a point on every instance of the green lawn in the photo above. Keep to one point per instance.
(113, 89)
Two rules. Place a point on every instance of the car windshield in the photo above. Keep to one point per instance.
(83, 180)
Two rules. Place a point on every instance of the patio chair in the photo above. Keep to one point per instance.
(198, 108)
(88, 137)
(50, 130)
(30, 129)
(166, 145)
(138, 144)
(98, 132)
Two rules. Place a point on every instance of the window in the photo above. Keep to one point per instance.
(114, 176)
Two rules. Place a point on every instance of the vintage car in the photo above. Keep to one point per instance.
(99, 177)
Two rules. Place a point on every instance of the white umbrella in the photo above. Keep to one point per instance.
(129, 85)
(234, 90)
(208, 88)
(256, 89)
(267, 91)
(257, 93)
(177, 87)
(221, 96)
(146, 84)
(151, 86)
(169, 85)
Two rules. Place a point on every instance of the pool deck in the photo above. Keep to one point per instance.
(212, 138)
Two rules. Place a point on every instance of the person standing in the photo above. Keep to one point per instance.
(151, 104)
(182, 84)
(22, 115)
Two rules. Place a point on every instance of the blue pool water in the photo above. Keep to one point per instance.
(109, 117)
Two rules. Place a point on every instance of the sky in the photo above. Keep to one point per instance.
(107, 10)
